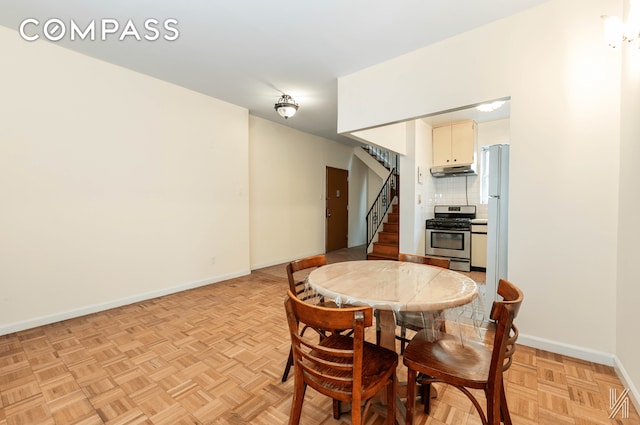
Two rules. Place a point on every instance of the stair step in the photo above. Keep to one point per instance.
(386, 249)
(388, 245)
(391, 227)
(390, 238)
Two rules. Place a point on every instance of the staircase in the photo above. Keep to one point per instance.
(383, 238)
(388, 245)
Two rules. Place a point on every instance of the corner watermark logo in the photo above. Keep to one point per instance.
(618, 405)
(55, 29)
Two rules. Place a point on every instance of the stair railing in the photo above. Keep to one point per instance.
(390, 189)
(386, 158)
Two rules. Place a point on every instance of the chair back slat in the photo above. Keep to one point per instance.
(511, 347)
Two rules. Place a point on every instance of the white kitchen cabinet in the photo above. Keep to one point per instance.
(454, 144)
(479, 246)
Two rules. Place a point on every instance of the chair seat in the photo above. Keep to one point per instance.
(448, 359)
(377, 363)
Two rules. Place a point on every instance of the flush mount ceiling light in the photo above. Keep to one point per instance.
(616, 31)
(488, 107)
(286, 106)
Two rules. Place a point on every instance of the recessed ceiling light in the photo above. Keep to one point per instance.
(488, 107)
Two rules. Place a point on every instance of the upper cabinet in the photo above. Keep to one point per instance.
(454, 144)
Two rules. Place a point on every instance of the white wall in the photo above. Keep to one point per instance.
(564, 85)
(288, 183)
(424, 190)
(628, 289)
(358, 205)
(492, 132)
(374, 185)
(392, 137)
(128, 187)
(408, 186)
(114, 186)
(565, 155)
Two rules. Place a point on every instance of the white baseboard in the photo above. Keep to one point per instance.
(627, 383)
(70, 314)
(586, 354)
(581, 353)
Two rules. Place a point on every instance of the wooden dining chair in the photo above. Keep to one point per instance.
(413, 320)
(445, 263)
(298, 287)
(343, 367)
(297, 283)
(469, 364)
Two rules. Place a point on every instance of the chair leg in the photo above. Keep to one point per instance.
(391, 401)
(296, 404)
(336, 409)
(411, 395)
(403, 338)
(376, 314)
(425, 388)
(356, 413)
(287, 368)
(504, 408)
(494, 409)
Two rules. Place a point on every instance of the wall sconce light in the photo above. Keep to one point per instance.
(286, 106)
(616, 32)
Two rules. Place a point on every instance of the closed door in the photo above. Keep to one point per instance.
(337, 209)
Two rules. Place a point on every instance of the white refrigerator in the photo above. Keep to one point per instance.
(497, 225)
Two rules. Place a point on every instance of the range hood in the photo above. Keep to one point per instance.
(454, 170)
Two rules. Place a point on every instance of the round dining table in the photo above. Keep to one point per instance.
(390, 286)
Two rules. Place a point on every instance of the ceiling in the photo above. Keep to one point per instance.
(469, 113)
(249, 52)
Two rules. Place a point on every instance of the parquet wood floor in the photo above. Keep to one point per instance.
(215, 355)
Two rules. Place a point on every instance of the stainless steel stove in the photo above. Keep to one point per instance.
(448, 234)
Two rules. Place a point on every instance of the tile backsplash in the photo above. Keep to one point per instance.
(457, 191)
